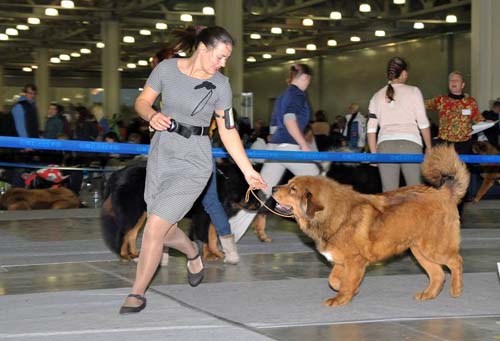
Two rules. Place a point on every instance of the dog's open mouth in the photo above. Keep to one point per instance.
(283, 208)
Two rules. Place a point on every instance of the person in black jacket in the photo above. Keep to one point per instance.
(493, 115)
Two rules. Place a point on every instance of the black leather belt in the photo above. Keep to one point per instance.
(187, 130)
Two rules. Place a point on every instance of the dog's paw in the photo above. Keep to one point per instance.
(455, 292)
(423, 296)
(337, 301)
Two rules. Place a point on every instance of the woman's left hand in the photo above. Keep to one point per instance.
(254, 180)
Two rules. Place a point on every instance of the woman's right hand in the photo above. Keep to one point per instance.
(159, 121)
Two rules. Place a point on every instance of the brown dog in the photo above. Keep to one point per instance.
(490, 172)
(353, 230)
(33, 199)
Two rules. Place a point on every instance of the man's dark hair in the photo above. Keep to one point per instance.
(30, 86)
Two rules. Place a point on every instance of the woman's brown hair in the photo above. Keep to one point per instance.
(395, 67)
(189, 39)
(297, 70)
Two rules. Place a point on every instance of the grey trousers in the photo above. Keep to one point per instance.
(390, 172)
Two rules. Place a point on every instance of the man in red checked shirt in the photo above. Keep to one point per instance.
(457, 113)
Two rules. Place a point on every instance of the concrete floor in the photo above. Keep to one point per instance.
(59, 282)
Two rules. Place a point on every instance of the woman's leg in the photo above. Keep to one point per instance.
(411, 171)
(177, 239)
(389, 172)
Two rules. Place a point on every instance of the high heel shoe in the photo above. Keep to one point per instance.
(195, 278)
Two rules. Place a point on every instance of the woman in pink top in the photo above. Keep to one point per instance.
(398, 109)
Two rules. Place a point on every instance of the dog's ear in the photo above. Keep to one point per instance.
(310, 205)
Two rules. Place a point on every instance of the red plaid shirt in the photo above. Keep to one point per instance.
(456, 116)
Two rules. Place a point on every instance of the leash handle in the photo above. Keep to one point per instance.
(262, 203)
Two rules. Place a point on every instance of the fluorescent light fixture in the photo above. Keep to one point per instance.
(208, 10)
(85, 51)
(311, 47)
(143, 62)
(33, 21)
(75, 54)
(181, 53)
(145, 32)
(290, 50)
(331, 42)
(140, 89)
(418, 25)
(255, 36)
(399, 2)
(365, 8)
(161, 26)
(64, 57)
(65, 99)
(51, 12)
(120, 69)
(131, 65)
(307, 22)
(100, 45)
(128, 39)
(22, 27)
(276, 30)
(3, 36)
(186, 17)
(251, 59)
(267, 56)
(27, 69)
(335, 15)
(12, 31)
(34, 67)
(355, 39)
(450, 18)
(67, 4)
(380, 33)
(55, 60)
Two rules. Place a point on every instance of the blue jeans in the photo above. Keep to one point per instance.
(213, 206)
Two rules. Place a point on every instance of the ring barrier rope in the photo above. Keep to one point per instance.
(293, 156)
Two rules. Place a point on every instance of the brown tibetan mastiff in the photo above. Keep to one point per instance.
(36, 199)
(489, 172)
(353, 230)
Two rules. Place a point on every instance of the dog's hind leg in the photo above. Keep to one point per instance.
(131, 236)
(485, 186)
(435, 273)
(454, 263)
(213, 252)
(260, 228)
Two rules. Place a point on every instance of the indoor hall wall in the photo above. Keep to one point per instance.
(354, 76)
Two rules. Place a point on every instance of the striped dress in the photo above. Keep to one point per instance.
(178, 168)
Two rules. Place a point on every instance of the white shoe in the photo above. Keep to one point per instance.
(164, 259)
(231, 255)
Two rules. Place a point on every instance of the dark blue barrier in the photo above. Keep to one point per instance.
(127, 148)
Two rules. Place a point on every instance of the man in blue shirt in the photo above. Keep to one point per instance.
(25, 113)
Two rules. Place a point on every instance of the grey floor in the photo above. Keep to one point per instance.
(59, 282)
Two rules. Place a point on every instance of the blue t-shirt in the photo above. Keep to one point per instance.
(291, 101)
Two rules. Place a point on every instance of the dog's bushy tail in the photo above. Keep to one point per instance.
(442, 167)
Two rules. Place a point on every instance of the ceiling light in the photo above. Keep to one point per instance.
(51, 12)
(331, 42)
(65, 99)
(290, 50)
(22, 27)
(311, 47)
(450, 18)
(335, 15)
(64, 57)
(418, 25)
(355, 39)
(34, 67)
(33, 21)
(67, 4)
(399, 2)
(3, 36)
(131, 66)
(267, 56)
(128, 39)
(120, 69)
(100, 45)
(208, 10)
(307, 22)
(55, 60)
(181, 53)
(365, 8)
(27, 69)
(186, 17)
(380, 33)
(251, 59)
(85, 51)
(145, 32)
(255, 36)
(143, 62)
(276, 30)
(11, 32)
(161, 26)
(75, 54)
